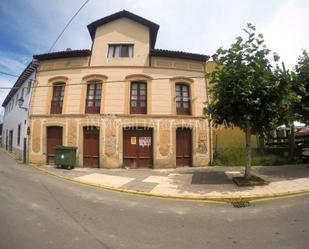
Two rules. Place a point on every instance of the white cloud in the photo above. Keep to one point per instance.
(11, 65)
(200, 26)
(5, 81)
(197, 26)
(287, 32)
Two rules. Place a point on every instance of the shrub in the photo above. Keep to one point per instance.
(236, 157)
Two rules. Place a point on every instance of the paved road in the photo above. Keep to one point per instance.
(38, 211)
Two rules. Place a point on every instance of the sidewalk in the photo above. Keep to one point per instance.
(211, 183)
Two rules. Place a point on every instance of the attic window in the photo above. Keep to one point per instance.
(120, 50)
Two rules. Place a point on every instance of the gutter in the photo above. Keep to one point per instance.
(29, 109)
(209, 122)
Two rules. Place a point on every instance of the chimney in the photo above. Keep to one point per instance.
(214, 57)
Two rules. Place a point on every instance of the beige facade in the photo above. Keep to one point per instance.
(116, 74)
(122, 30)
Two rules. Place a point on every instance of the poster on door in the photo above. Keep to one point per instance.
(144, 141)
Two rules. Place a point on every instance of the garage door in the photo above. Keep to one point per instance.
(137, 147)
(54, 137)
(91, 147)
(183, 147)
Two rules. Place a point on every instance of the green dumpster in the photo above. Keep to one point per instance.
(65, 156)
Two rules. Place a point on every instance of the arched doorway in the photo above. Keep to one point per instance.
(54, 137)
(138, 147)
(183, 147)
(91, 147)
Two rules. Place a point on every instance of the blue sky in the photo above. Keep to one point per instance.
(29, 27)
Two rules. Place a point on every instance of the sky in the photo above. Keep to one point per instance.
(30, 27)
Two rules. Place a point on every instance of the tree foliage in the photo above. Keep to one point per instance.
(248, 91)
(301, 88)
(247, 87)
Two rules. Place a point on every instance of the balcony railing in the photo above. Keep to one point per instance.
(56, 107)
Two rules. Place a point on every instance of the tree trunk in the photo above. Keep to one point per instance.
(292, 142)
(248, 150)
(262, 143)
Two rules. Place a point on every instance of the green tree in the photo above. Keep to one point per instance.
(289, 100)
(247, 91)
(301, 88)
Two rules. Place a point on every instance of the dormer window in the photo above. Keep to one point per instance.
(120, 50)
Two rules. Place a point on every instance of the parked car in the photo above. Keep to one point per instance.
(303, 131)
(304, 151)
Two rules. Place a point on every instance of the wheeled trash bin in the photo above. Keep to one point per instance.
(65, 156)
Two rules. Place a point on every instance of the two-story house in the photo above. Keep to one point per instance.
(15, 120)
(122, 103)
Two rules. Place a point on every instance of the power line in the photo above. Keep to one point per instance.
(85, 83)
(68, 25)
(9, 74)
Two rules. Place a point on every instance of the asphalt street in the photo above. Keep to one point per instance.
(39, 211)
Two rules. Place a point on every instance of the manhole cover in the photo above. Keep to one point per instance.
(240, 204)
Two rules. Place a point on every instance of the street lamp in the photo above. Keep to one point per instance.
(20, 104)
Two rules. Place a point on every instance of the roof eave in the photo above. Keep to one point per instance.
(63, 54)
(179, 55)
(153, 27)
(32, 66)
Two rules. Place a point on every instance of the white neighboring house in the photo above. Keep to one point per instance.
(16, 109)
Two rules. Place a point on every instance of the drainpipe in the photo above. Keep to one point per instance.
(150, 47)
(209, 124)
(29, 109)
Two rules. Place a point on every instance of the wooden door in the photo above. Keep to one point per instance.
(137, 147)
(54, 137)
(11, 141)
(91, 147)
(183, 147)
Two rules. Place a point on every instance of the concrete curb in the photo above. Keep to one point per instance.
(213, 199)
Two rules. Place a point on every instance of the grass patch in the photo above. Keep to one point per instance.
(236, 157)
